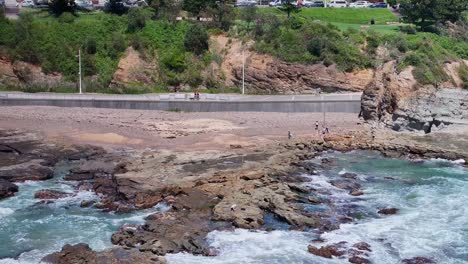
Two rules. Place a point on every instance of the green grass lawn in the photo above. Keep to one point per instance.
(344, 15)
(387, 29)
(350, 15)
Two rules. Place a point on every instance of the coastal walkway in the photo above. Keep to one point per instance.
(340, 102)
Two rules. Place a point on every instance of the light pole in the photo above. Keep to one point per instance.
(79, 70)
(243, 71)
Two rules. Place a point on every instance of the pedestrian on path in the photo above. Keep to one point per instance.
(317, 127)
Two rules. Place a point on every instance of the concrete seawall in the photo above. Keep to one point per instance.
(200, 106)
(329, 105)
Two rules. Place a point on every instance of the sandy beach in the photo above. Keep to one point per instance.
(169, 130)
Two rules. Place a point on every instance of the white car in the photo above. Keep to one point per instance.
(242, 3)
(28, 3)
(275, 3)
(338, 3)
(360, 4)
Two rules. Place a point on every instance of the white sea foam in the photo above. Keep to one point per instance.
(243, 246)
(6, 211)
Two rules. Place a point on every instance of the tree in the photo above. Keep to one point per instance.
(424, 12)
(288, 7)
(58, 7)
(136, 19)
(248, 14)
(167, 9)
(196, 6)
(196, 40)
(115, 7)
(222, 13)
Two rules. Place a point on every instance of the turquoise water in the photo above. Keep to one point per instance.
(432, 196)
(30, 230)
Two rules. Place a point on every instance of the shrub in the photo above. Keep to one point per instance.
(408, 29)
(463, 73)
(196, 40)
(66, 18)
(115, 7)
(59, 7)
(90, 45)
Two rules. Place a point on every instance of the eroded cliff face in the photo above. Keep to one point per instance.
(15, 74)
(432, 110)
(134, 71)
(381, 95)
(266, 74)
(396, 99)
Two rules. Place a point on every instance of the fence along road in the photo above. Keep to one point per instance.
(347, 103)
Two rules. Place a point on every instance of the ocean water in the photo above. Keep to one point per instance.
(30, 230)
(432, 222)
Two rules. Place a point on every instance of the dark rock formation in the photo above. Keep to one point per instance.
(358, 260)
(7, 188)
(388, 211)
(82, 253)
(418, 260)
(348, 175)
(362, 246)
(345, 185)
(50, 195)
(327, 251)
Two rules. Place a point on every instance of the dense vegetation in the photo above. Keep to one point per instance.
(317, 35)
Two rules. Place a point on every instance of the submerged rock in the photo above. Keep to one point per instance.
(363, 246)
(314, 199)
(7, 188)
(388, 211)
(50, 195)
(418, 260)
(345, 184)
(358, 260)
(327, 251)
(348, 175)
(356, 192)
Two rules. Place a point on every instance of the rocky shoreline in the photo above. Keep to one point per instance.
(234, 190)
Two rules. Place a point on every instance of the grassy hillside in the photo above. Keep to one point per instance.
(316, 35)
(54, 43)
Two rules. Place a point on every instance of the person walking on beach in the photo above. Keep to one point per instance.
(317, 127)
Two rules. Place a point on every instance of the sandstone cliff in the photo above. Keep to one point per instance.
(17, 74)
(396, 99)
(266, 74)
(135, 71)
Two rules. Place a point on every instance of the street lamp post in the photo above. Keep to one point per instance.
(243, 71)
(79, 70)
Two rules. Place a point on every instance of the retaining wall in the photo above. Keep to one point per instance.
(346, 106)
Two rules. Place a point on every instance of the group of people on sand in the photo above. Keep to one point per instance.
(325, 130)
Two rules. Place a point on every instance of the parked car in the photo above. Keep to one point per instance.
(241, 3)
(28, 3)
(359, 4)
(275, 3)
(84, 4)
(379, 5)
(316, 4)
(338, 3)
